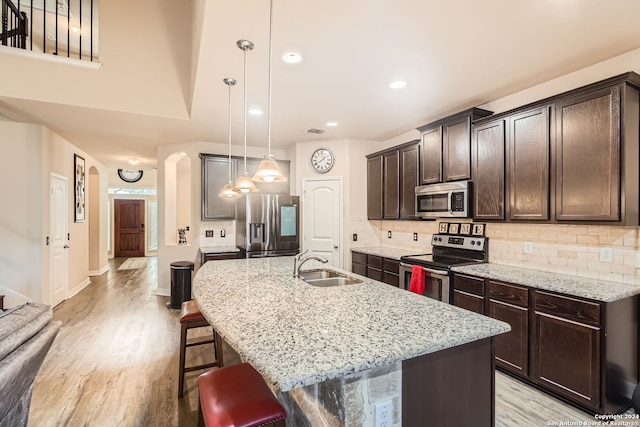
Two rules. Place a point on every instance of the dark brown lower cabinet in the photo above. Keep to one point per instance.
(468, 293)
(359, 263)
(582, 351)
(509, 303)
(375, 267)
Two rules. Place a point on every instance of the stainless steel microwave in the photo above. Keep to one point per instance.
(446, 200)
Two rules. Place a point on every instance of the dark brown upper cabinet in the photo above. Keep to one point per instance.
(446, 147)
(392, 176)
(375, 188)
(409, 165)
(528, 159)
(489, 174)
(588, 154)
(431, 156)
(391, 184)
(573, 157)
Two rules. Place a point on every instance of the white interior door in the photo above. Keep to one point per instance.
(322, 218)
(58, 234)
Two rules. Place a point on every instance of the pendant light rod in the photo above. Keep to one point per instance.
(229, 82)
(245, 45)
(270, 67)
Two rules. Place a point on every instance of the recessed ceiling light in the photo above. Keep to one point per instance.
(398, 84)
(332, 124)
(255, 111)
(291, 57)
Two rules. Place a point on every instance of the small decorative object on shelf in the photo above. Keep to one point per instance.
(182, 237)
(465, 229)
(453, 228)
(443, 227)
(478, 230)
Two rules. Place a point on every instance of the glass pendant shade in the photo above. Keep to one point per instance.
(244, 184)
(228, 191)
(269, 171)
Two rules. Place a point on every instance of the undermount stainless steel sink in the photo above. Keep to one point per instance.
(326, 278)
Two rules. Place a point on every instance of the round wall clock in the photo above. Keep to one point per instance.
(322, 160)
(128, 175)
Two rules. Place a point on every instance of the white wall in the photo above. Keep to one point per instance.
(31, 154)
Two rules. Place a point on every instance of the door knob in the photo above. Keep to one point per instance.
(335, 246)
(65, 247)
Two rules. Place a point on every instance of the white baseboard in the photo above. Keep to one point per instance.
(99, 272)
(163, 292)
(73, 291)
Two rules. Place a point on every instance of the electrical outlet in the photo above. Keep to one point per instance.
(223, 233)
(355, 237)
(415, 237)
(208, 233)
(528, 247)
(383, 414)
(389, 234)
(606, 254)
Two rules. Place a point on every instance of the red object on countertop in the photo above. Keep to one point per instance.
(417, 280)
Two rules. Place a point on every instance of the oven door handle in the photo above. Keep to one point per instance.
(428, 270)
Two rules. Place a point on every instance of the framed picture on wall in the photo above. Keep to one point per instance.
(453, 228)
(78, 187)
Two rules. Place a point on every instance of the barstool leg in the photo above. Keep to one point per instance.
(217, 346)
(183, 351)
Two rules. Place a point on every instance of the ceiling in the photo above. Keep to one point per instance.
(452, 54)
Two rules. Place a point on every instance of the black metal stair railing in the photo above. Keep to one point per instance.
(14, 26)
(57, 27)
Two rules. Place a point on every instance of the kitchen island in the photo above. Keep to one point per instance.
(332, 354)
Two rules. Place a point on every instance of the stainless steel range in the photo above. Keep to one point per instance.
(448, 251)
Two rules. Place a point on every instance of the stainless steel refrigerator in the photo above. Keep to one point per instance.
(268, 225)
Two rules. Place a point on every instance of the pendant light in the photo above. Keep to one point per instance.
(227, 191)
(268, 170)
(244, 184)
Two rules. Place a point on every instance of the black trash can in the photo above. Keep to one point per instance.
(180, 283)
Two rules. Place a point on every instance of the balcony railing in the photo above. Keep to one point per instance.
(57, 27)
(14, 26)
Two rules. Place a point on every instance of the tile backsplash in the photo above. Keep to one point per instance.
(567, 249)
(216, 226)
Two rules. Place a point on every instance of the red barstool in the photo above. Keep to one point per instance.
(236, 396)
(190, 318)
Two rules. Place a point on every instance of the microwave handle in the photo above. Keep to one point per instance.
(450, 201)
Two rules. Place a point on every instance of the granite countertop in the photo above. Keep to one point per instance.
(296, 334)
(599, 290)
(393, 253)
(218, 249)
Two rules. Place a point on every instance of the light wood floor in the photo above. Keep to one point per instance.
(115, 363)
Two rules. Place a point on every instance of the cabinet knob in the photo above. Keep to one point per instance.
(335, 246)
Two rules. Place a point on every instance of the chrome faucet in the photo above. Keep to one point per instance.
(298, 261)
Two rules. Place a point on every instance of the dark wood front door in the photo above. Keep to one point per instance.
(129, 228)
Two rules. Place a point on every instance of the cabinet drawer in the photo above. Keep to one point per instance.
(374, 261)
(390, 279)
(358, 257)
(568, 308)
(360, 269)
(511, 294)
(391, 265)
(472, 285)
(221, 256)
(374, 273)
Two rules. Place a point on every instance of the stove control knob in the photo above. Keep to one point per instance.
(473, 242)
(478, 243)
